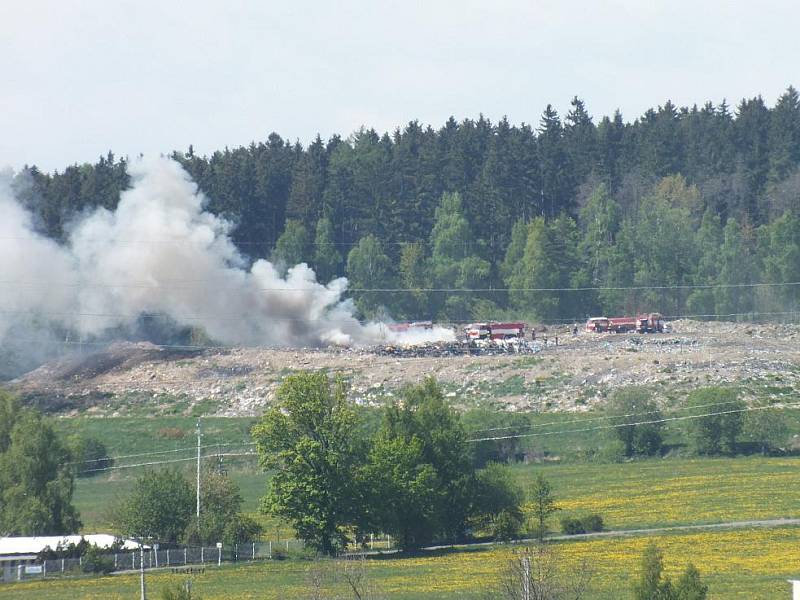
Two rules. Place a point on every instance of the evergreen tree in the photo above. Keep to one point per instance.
(580, 139)
(327, 259)
(780, 251)
(784, 135)
(558, 184)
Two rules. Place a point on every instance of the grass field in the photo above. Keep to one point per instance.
(746, 564)
(650, 493)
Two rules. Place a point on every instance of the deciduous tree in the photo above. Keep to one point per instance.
(307, 438)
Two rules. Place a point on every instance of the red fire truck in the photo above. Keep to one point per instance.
(495, 331)
(644, 323)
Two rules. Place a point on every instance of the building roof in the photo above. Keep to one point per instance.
(34, 545)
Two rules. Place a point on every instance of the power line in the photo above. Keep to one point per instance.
(150, 285)
(617, 426)
(157, 452)
(604, 417)
(203, 244)
(167, 462)
(485, 439)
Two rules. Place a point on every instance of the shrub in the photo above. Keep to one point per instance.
(507, 525)
(179, 592)
(585, 524)
(572, 525)
(95, 562)
(592, 523)
(171, 433)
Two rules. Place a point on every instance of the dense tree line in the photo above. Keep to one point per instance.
(705, 195)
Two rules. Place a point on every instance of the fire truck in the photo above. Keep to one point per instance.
(650, 323)
(644, 323)
(495, 331)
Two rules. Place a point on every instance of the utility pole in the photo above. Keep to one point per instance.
(199, 435)
(141, 571)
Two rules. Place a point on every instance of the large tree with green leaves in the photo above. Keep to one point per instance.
(369, 269)
(221, 518)
(308, 439)
(424, 430)
(36, 477)
(327, 258)
(159, 507)
(718, 431)
(455, 260)
(292, 246)
(635, 416)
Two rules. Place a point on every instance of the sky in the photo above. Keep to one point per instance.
(82, 77)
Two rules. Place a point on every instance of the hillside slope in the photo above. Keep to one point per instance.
(128, 378)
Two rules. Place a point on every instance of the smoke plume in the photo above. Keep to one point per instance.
(161, 254)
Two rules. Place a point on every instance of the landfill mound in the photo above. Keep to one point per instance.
(574, 375)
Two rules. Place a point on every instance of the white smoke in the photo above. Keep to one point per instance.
(160, 253)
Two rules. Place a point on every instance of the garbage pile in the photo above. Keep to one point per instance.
(460, 348)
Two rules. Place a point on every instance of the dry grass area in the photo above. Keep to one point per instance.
(576, 375)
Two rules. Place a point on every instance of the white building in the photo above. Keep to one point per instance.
(23, 550)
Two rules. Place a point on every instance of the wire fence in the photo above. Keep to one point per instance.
(185, 557)
(135, 560)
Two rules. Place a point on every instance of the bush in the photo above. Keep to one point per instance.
(587, 524)
(171, 433)
(179, 592)
(507, 525)
(592, 523)
(572, 525)
(95, 562)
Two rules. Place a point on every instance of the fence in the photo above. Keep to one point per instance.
(178, 557)
(153, 559)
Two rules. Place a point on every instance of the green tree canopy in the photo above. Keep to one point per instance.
(327, 259)
(718, 431)
(307, 438)
(369, 268)
(634, 410)
(159, 507)
(291, 247)
(221, 518)
(455, 261)
(543, 504)
(36, 478)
